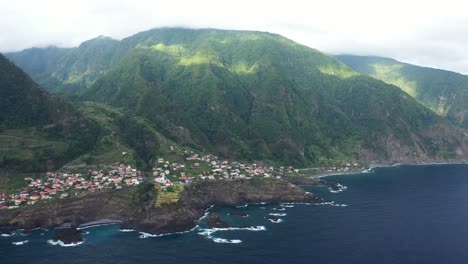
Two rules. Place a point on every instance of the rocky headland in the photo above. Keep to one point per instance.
(137, 207)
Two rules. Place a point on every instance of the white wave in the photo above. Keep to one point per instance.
(127, 230)
(228, 241)
(340, 188)
(250, 228)
(241, 206)
(277, 214)
(62, 244)
(7, 235)
(20, 243)
(332, 203)
(207, 212)
(340, 205)
(326, 203)
(287, 205)
(279, 209)
(295, 203)
(208, 233)
(276, 221)
(146, 235)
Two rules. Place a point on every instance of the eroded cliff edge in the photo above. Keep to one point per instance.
(138, 210)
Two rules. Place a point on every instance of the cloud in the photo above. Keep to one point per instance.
(430, 33)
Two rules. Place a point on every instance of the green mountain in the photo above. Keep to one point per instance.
(260, 96)
(444, 92)
(38, 131)
(67, 69)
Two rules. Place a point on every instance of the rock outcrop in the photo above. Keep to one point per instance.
(144, 215)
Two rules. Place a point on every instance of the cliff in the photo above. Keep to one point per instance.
(136, 207)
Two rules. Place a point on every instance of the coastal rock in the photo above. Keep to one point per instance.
(68, 236)
(215, 221)
(307, 181)
(315, 181)
(145, 215)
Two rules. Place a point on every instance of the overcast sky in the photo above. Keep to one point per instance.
(428, 33)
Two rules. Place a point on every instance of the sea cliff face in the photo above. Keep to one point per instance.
(145, 215)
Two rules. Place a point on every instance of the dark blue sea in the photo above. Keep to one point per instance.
(406, 214)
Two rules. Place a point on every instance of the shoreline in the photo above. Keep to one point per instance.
(99, 223)
(374, 166)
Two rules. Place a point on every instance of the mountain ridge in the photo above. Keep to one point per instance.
(260, 96)
(444, 92)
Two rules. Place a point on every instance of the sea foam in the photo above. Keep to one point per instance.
(127, 230)
(20, 243)
(277, 214)
(62, 244)
(275, 221)
(146, 235)
(227, 241)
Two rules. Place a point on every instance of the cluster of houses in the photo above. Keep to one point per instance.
(343, 168)
(62, 185)
(225, 169)
(164, 170)
(165, 173)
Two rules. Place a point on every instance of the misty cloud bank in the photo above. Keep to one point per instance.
(427, 33)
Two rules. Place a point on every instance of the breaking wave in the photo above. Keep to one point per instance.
(20, 243)
(277, 214)
(275, 221)
(62, 244)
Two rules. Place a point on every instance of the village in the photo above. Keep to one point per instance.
(165, 174)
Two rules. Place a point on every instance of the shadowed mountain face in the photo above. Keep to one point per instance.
(444, 92)
(37, 130)
(254, 95)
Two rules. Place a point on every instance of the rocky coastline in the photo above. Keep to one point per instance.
(316, 176)
(68, 236)
(144, 215)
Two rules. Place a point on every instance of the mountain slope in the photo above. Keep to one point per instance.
(444, 92)
(67, 69)
(38, 131)
(261, 96)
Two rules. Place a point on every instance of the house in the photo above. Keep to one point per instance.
(34, 197)
(160, 179)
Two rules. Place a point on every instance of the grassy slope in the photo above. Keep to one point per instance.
(257, 96)
(251, 95)
(38, 131)
(444, 92)
(66, 70)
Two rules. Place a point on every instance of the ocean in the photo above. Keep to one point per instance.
(404, 214)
